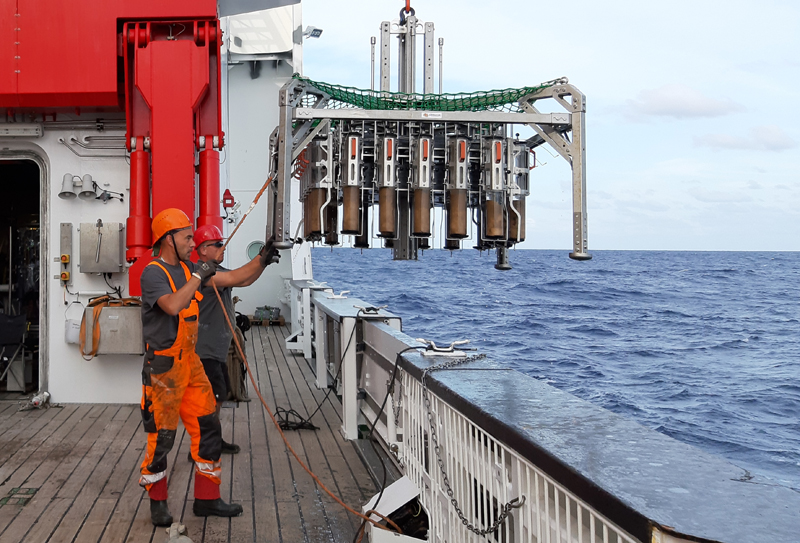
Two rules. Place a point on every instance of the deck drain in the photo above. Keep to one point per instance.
(18, 496)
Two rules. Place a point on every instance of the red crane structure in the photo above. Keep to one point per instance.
(156, 61)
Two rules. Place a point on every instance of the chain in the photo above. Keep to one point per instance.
(398, 405)
(505, 510)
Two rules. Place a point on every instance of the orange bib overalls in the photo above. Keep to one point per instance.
(175, 385)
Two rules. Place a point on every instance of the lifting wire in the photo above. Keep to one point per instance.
(253, 205)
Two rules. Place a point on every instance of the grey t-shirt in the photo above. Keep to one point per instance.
(160, 329)
(214, 336)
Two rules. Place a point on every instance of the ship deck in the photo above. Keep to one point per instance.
(69, 473)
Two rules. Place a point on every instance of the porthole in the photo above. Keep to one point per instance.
(254, 248)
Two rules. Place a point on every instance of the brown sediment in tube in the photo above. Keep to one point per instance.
(362, 240)
(351, 197)
(457, 213)
(387, 198)
(422, 212)
(312, 206)
(494, 219)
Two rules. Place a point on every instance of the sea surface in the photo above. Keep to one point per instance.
(701, 346)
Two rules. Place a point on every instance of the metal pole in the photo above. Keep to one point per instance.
(428, 48)
(405, 247)
(441, 56)
(372, 41)
(580, 243)
(385, 71)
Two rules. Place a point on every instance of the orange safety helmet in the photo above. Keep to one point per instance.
(168, 220)
(207, 232)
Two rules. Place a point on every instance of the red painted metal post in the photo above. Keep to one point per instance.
(137, 229)
(172, 76)
(209, 187)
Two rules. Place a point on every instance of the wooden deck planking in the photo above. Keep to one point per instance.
(84, 460)
(325, 455)
(284, 486)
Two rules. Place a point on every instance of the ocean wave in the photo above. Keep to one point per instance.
(701, 346)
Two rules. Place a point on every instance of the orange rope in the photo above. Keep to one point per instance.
(408, 6)
(269, 412)
(255, 201)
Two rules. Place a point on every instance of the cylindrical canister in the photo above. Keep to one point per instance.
(494, 220)
(313, 205)
(422, 212)
(516, 225)
(138, 236)
(387, 198)
(457, 213)
(351, 197)
(209, 189)
(331, 222)
(362, 240)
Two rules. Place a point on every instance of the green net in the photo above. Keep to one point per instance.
(494, 100)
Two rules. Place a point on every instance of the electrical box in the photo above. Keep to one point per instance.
(120, 330)
(102, 246)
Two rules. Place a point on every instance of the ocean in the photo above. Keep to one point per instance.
(701, 346)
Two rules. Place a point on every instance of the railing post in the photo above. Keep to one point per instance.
(349, 379)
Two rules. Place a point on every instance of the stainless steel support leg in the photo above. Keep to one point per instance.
(349, 379)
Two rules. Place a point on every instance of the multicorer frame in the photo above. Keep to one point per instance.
(403, 154)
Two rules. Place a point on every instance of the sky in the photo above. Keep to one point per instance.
(693, 130)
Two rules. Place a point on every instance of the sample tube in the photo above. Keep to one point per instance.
(362, 239)
(387, 198)
(516, 225)
(312, 207)
(351, 196)
(331, 222)
(457, 213)
(422, 212)
(494, 223)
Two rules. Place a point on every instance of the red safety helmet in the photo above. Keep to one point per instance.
(207, 232)
(168, 220)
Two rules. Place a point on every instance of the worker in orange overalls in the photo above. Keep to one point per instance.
(174, 383)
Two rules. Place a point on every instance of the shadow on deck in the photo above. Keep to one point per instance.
(70, 473)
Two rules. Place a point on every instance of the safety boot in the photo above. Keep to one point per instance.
(159, 513)
(216, 508)
(230, 448)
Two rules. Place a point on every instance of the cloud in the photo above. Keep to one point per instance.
(718, 196)
(761, 138)
(754, 185)
(680, 102)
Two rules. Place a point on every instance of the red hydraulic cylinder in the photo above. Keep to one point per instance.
(209, 187)
(137, 227)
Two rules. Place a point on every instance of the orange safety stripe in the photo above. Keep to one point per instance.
(197, 295)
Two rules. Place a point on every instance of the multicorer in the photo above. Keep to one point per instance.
(413, 171)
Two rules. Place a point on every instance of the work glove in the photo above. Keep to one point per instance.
(269, 254)
(206, 270)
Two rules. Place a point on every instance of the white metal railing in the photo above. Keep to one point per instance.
(485, 475)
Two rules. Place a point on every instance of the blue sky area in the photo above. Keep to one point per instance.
(692, 129)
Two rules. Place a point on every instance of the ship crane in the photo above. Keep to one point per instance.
(373, 165)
